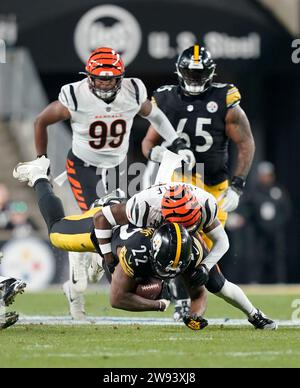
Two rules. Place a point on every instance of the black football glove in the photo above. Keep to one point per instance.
(195, 322)
(165, 291)
(200, 276)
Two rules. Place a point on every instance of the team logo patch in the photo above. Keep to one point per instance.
(156, 244)
(212, 107)
(190, 108)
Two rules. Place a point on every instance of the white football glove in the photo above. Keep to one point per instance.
(164, 303)
(157, 153)
(188, 157)
(230, 200)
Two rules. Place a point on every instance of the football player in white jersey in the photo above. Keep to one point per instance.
(101, 109)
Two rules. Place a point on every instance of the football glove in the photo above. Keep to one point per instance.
(164, 304)
(49, 169)
(200, 276)
(195, 322)
(179, 147)
(231, 196)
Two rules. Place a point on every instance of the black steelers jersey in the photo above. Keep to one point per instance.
(135, 244)
(200, 120)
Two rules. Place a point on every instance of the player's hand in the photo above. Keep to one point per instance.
(156, 154)
(200, 276)
(194, 322)
(163, 304)
(230, 200)
(179, 147)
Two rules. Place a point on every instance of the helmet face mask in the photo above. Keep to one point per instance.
(103, 67)
(171, 250)
(195, 70)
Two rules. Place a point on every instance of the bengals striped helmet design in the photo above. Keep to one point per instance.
(105, 64)
(179, 204)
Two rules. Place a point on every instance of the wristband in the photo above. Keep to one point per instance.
(105, 248)
(238, 183)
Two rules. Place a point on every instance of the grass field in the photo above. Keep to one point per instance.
(150, 346)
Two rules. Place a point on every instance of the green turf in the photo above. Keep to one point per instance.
(143, 346)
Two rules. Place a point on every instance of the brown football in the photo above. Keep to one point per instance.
(150, 289)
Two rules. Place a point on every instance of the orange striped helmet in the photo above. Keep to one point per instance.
(179, 204)
(105, 64)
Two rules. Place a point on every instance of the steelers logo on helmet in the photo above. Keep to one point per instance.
(179, 204)
(105, 71)
(171, 250)
(195, 69)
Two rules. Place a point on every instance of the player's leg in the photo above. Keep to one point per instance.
(236, 297)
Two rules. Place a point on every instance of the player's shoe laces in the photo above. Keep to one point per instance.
(8, 319)
(95, 270)
(261, 322)
(32, 171)
(76, 302)
(9, 289)
(182, 307)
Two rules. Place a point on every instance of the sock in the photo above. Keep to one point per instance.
(235, 296)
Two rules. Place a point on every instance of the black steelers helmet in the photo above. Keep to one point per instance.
(171, 250)
(195, 70)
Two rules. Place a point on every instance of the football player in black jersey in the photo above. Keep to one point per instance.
(207, 116)
(141, 253)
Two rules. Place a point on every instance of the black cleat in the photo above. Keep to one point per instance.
(10, 288)
(261, 322)
(8, 319)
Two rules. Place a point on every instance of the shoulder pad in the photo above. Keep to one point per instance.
(233, 96)
(218, 85)
(164, 88)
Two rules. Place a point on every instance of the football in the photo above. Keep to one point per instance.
(150, 289)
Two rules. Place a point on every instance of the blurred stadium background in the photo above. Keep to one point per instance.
(252, 43)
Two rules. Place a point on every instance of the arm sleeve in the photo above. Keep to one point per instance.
(220, 246)
(161, 123)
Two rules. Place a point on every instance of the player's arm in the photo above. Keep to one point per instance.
(239, 131)
(52, 114)
(164, 128)
(216, 233)
(122, 295)
(151, 140)
(104, 220)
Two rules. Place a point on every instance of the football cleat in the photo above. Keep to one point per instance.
(10, 288)
(261, 322)
(182, 307)
(76, 302)
(79, 263)
(32, 171)
(8, 319)
(114, 197)
(95, 270)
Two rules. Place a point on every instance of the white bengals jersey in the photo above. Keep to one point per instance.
(101, 131)
(144, 209)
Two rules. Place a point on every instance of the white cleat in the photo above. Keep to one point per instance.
(76, 302)
(95, 270)
(79, 263)
(32, 171)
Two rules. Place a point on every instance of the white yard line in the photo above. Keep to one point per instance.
(65, 320)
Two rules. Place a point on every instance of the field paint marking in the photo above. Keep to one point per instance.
(65, 320)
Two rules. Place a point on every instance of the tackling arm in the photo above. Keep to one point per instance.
(122, 294)
(52, 114)
(151, 140)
